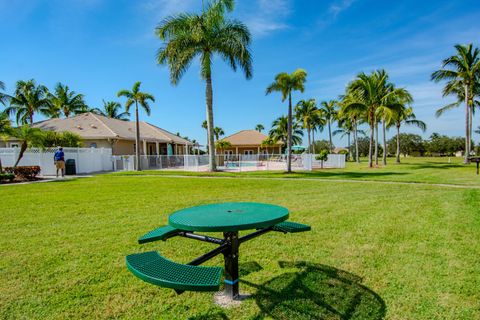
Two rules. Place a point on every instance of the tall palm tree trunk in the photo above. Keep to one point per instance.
(355, 137)
(289, 135)
(313, 140)
(376, 142)
(349, 147)
(137, 138)
(212, 166)
(384, 158)
(309, 141)
(330, 135)
(370, 146)
(467, 126)
(398, 144)
(23, 148)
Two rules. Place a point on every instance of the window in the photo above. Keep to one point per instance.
(248, 152)
(229, 152)
(93, 145)
(13, 145)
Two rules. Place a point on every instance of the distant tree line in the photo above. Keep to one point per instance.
(415, 145)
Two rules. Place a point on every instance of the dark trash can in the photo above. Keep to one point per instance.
(70, 168)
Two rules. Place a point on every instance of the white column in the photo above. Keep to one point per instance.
(145, 147)
(157, 147)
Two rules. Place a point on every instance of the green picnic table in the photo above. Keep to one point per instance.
(227, 218)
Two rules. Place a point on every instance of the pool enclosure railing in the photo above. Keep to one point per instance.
(227, 162)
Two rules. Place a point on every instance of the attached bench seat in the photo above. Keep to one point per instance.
(155, 269)
(161, 233)
(291, 227)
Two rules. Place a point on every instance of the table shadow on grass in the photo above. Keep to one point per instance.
(316, 291)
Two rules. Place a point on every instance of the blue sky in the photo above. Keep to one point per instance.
(100, 46)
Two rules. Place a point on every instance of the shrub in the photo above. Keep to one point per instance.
(7, 177)
(322, 156)
(53, 139)
(24, 172)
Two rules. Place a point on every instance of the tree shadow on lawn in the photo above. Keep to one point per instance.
(434, 165)
(316, 291)
(355, 175)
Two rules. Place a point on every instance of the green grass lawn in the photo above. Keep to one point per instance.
(420, 170)
(376, 250)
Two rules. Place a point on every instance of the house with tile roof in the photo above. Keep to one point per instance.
(249, 142)
(98, 131)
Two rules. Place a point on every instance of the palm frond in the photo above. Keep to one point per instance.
(448, 107)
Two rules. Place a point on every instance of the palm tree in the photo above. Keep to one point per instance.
(218, 132)
(29, 137)
(189, 35)
(27, 100)
(279, 131)
(369, 95)
(306, 113)
(330, 112)
(135, 96)
(111, 109)
(3, 97)
(285, 84)
(259, 127)
(405, 115)
(268, 142)
(65, 102)
(462, 69)
(222, 145)
(5, 128)
(354, 115)
(346, 127)
(318, 123)
(394, 103)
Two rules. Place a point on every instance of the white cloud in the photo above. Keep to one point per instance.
(267, 16)
(164, 8)
(338, 6)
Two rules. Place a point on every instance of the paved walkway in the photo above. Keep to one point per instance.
(44, 179)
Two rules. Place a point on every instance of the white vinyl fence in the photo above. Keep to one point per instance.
(333, 161)
(231, 163)
(87, 160)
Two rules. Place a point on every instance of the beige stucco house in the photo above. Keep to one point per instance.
(249, 142)
(101, 132)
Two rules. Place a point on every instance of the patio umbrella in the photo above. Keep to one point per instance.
(169, 150)
(298, 148)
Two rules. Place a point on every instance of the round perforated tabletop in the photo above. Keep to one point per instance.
(230, 216)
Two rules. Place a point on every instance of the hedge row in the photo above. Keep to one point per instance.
(24, 172)
(7, 177)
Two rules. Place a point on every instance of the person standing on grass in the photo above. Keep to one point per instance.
(59, 160)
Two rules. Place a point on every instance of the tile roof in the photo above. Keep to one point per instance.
(93, 126)
(247, 138)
